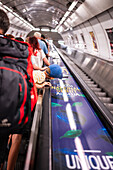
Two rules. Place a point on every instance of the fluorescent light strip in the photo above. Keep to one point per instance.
(7, 8)
(36, 29)
(67, 13)
(53, 30)
(72, 5)
(44, 29)
(62, 20)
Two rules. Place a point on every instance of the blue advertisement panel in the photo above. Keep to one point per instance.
(79, 139)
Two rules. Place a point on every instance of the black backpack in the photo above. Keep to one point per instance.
(15, 101)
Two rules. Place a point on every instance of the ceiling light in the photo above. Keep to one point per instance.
(40, 1)
(53, 30)
(45, 29)
(10, 10)
(72, 5)
(66, 14)
(54, 22)
(51, 9)
(24, 10)
(36, 29)
(16, 14)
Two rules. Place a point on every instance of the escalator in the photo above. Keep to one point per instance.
(76, 128)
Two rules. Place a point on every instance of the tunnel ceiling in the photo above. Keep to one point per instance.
(39, 12)
(57, 13)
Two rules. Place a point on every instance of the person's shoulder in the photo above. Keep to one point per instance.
(12, 47)
(42, 42)
(42, 53)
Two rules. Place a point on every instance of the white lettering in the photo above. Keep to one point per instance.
(73, 166)
(94, 162)
(110, 162)
(102, 163)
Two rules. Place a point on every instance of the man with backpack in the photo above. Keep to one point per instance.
(4, 25)
(17, 91)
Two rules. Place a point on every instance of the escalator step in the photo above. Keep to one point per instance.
(101, 94)
(92, 85)
(96, 89)
(89, 82)
(106, 99)
(109, 106)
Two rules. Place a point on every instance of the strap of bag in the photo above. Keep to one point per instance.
(15, 62)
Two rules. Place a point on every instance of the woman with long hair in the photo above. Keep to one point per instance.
(38, 56)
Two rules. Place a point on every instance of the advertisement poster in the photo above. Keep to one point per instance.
(110, 36)
(94, 41)
(83, 39)
(76, 39)
(79, 139)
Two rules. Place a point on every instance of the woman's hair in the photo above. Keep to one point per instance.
(34, 43)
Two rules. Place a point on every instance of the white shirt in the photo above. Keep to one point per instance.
(37, 58)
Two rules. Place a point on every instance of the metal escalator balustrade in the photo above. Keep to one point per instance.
(100, 93)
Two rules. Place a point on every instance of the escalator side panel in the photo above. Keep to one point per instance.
(80, 140)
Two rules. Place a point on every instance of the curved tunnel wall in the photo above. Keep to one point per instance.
(18, 27)
(92, 37)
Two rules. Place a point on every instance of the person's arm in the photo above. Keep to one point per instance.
(46, 61)
(39, 86)
(44, 58)
(35, 67)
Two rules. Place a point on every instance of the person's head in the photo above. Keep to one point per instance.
(4, 22)
(34, 43)
(54, 71)
(37, 34)
(27, 39)
(43, 36)
(9, 36)
(19, 39)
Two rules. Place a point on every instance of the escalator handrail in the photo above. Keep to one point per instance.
(30, 157)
